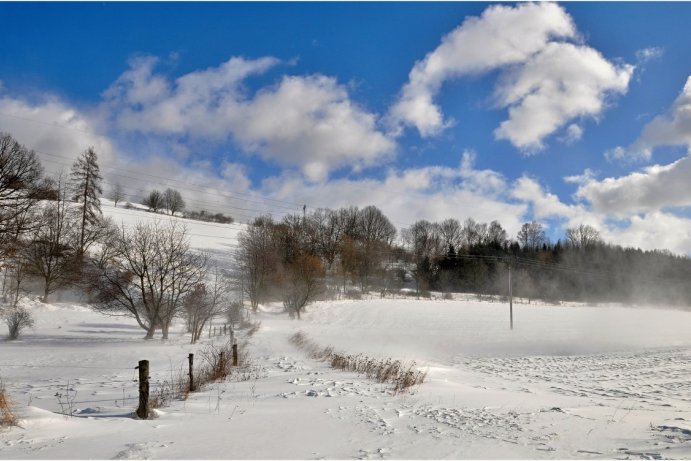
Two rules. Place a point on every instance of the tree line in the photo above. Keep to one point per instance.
(352, 251)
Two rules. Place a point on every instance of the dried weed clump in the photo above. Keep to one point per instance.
(400, 375)
(8, 417)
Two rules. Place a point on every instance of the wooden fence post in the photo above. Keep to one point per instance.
(191, 359)
(222, 364)
(143, 410)
(235, 355)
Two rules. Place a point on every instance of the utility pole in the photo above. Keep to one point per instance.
(510, 299)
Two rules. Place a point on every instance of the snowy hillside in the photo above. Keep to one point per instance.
(567, 382)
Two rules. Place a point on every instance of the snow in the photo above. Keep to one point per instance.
(567, 382)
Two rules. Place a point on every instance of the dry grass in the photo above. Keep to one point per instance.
(400, 375)
(216, 365)
(8, 418)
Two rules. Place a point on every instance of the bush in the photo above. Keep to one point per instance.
(17, 320)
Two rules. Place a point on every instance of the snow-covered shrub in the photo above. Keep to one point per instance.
(17, 320)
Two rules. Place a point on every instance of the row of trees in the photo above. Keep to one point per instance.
(475, 257)
(170, 200)
(288, 259)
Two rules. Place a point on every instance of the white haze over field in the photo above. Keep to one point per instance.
(570, 381)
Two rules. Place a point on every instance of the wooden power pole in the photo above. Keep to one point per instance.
(510, 299)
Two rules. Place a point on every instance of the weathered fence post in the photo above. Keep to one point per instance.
(235, 355)
(143, 410)
(191, 359)
(224, 329)
(222, 364)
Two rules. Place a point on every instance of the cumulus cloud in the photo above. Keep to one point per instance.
(53, 128)
(546, 205)
(651, 189)
(561, 82)
(309, 122)
(670, 129)
(651, 231)
(546, 81)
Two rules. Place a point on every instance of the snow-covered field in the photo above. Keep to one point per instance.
(567, 382)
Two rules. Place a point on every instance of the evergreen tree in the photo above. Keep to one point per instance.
(86, 187)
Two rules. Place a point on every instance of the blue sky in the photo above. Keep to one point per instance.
(564, 113)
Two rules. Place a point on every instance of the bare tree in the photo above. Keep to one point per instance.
(324, 227)
(531, 236)
(52, 248)
(117, 194)
(14, 278)
(375, 235)
(450, 232)
(496, 235)
(86, 187)
(473, 232)
(20, 172)
(205, 302)
(173, 201)
(583, 236)
(154, 201)
(374, 226)
(256, 259)
(153, 271)
(302, 283)
(424, 242)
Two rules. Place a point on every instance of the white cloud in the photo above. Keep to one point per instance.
(617, 154)
(235, 175)
(561, 82)
(546, 205)
(545, 84)
(574, 133)
(670, 129)
(311, 122)
(652, 189)
(587, 176)
(433, 193)
(305, 121)
(653, 231)
(500, 36)
(55, 130)
(648, 54)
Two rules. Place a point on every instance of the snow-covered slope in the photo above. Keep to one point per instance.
(567, 382)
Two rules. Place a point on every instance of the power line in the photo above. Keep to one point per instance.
(232, 195)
